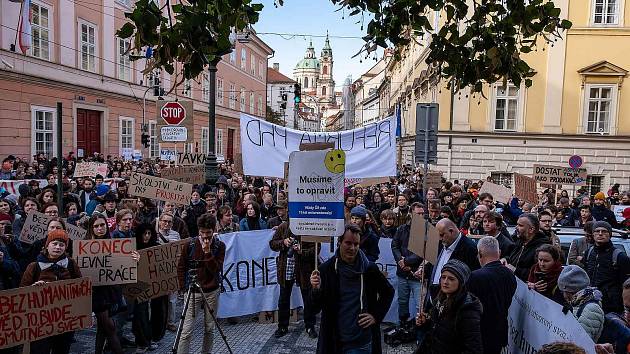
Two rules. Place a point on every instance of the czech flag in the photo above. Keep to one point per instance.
(24, 27)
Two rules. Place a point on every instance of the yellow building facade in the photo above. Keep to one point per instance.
(579, 104)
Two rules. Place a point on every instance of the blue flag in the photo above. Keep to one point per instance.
(398, 122)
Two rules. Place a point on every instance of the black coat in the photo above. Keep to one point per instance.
(601, 213)
(495, 286)
(605, 276)
(457, 330)
(523, 256)
(378, 295)
(369, 244)
(465, 251)
(400, 248)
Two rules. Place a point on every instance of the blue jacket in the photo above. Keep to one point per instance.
(244, 225)
(121, 234)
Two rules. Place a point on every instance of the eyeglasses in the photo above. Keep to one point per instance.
(600, 231)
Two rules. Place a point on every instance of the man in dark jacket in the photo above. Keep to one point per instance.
(369, 239)
(281, 211)
(354, 297)
(606, 268)
(407, 263)
(493, 226)
(495, 286)
(295, 263)
(601, 213)
(530, 237)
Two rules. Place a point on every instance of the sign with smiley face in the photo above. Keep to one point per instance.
(316, 182)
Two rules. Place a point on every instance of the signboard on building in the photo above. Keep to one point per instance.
(316, 185)
(175, 121)
(560, 175)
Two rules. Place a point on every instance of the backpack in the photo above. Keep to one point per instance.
(615, 255)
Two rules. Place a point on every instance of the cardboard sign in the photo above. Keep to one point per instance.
(499, 193)
(90, 169)
(560, 175)
(525, 188)
(186, 174)
(316, 192)
(417, 242)
(35, 312)
(160, 188)
(618, 210)
(157, 272)
(434, 179)
(366, 182)
(187, 159)
(35, 228)
(107, 261)
(175, 121)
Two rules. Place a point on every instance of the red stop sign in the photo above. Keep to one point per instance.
(173, 113)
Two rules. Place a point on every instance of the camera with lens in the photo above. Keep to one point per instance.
(293, 243)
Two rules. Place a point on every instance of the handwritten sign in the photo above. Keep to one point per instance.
(525, 188)
(107, 261)
(190, 159)
(157, 272)
(160, 188)
(434, 179)
(370, 150)
(35, 228)
(186, 174)
(168, 155)
(90, 169)
(560, 175)
(499, 193)
(35, 312)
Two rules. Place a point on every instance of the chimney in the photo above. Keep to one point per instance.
(276, 66)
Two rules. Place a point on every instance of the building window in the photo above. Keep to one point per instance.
(205, 87)
(325, 70)
(219, 143)
(43, 127)
(41, 31)
(242, 99)
(606, 12)
(594, 184)
(125, 3)
(260, 109)
(187, 89)
(154, 147)
(243, 59)
(323, 90)
(600, 105)
(502, 178)
(124, 62)
(506, 107)
(126, 135)
(204, 140)
(88, 47)
(220, 91)
(232, 96)
(252, 65)
(233, 56)
(306, 82)
(188, 148)
(261, 70)
(252, 102)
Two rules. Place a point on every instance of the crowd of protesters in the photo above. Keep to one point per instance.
(470, 287)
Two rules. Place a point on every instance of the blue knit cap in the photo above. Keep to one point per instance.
(359, 211)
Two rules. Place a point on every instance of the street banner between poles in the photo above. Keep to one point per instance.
(499, 193)
(316, 185)
(159, 188)
(370, 150)
(107, 261)
(35, 312)
(534, 320)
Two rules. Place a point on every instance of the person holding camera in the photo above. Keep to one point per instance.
(201, 260)
(295, 263)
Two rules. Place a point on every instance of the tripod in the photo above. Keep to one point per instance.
(194, 285)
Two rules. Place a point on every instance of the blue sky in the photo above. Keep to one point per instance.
(313, 17)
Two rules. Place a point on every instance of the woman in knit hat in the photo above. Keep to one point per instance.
(582, 300)
(456, 314)
(52, 264)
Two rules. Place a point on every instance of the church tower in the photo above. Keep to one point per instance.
(306, 72)
(326, 84)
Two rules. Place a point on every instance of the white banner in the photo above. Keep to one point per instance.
(370, 150)
(535, 320)
(12, 186)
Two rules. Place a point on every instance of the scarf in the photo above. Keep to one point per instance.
(551, 277)
(57, 266)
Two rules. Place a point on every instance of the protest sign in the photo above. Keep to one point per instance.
(35, 228)
(160, 189)
(107, 261)
(175, 121)
(417, 243)
(35, 312)
(316, 192)
(525, 188)
(434, 179)
(12, 186)
(90, 169)
(186, 174)
(370, 150)
(499, 193)
(168, 155)
(535, 320)
(238, 163)
(366, 182)
(560, 175)
(186, 159)
(157, 272)
(618, 210)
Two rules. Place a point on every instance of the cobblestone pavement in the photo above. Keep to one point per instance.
(247, 336)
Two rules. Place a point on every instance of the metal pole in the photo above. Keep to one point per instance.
(59, 156)
(144, 109)
(424, 192)
(212, 173)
